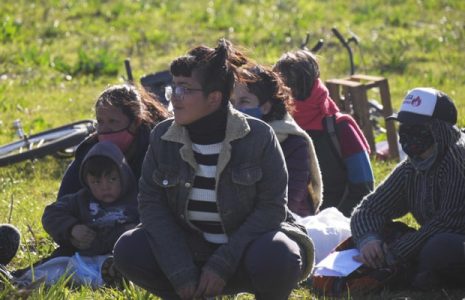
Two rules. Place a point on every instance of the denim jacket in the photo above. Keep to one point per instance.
(251, 187)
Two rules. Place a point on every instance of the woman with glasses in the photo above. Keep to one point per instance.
(263, 95)
(212, 196)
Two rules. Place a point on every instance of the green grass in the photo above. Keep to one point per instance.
(57, 55)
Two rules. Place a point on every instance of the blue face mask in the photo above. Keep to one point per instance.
(253, 112)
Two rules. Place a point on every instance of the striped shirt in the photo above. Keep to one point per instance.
(435, 198)
(202, 207)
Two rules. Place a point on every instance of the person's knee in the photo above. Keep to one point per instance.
(123, 252)
(442, 249)
(274, 260)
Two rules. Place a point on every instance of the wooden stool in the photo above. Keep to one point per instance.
(353, 100)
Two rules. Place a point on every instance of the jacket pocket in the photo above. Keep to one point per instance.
(245, 178)
(165, 178)
(168, 180)
(246, 175)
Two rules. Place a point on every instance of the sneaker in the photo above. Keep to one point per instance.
(110, 275)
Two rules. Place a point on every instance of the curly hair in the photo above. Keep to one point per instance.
(268, 87)
(134, 102)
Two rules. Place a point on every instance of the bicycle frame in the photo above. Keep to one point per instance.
(346, 44)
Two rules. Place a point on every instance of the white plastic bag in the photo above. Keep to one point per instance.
(84, 270)
(87, 269)
(326, 229)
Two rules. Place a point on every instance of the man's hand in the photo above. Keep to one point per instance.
(186, 292)
(210, 285)
(372, 255)
(82, 236)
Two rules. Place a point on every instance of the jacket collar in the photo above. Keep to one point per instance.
(236, 128)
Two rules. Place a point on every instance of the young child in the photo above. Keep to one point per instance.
(91, 220)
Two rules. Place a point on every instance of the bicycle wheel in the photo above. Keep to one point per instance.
(46, 142)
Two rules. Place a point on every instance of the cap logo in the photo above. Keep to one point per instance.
(413, 100)
(416, 101)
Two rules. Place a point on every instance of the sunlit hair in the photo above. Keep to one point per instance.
(215, 69)
(299, 70)
(268, 87)
(134, 102)
(98, 166)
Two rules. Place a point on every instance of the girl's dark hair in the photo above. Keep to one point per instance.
(268, 87)
(98, 166)
(135, 103)
(299, 70)
(215, 69)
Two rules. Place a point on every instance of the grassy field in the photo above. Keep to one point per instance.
(57, 55)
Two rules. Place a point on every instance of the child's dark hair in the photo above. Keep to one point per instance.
(215, 69)
(299, 70)
(134, 102)
(268, 87)
(98, 166)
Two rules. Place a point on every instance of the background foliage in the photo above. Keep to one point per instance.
(56, 56)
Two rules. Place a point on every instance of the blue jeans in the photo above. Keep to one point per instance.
(270, 267)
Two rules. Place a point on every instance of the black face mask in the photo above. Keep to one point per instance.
(415, 139)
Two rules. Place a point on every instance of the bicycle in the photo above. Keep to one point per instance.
(60, 141)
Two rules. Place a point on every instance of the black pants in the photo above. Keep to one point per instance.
(441, 262)
(270, 267)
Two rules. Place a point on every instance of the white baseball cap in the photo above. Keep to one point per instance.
(421, 104)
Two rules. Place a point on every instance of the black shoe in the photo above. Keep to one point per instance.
(9, 243)
(110, 275)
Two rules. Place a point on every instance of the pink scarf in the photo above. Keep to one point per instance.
(309, 114)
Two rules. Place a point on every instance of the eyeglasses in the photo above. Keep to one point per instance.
(178, 91)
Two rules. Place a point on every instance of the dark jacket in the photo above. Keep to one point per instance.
(435, 197)
(71, 183)
(107, 219)
(251, 188)
(347, 177)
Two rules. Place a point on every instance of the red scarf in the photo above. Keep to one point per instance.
(309, 114)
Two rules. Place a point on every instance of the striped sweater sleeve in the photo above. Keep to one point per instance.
(388, 202)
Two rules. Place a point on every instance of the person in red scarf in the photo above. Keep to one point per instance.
(343, 152)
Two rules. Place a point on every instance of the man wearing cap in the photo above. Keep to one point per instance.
(429, 184)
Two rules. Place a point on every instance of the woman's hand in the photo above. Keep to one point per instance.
(371, 254)
(210, 285)
(82, 236)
